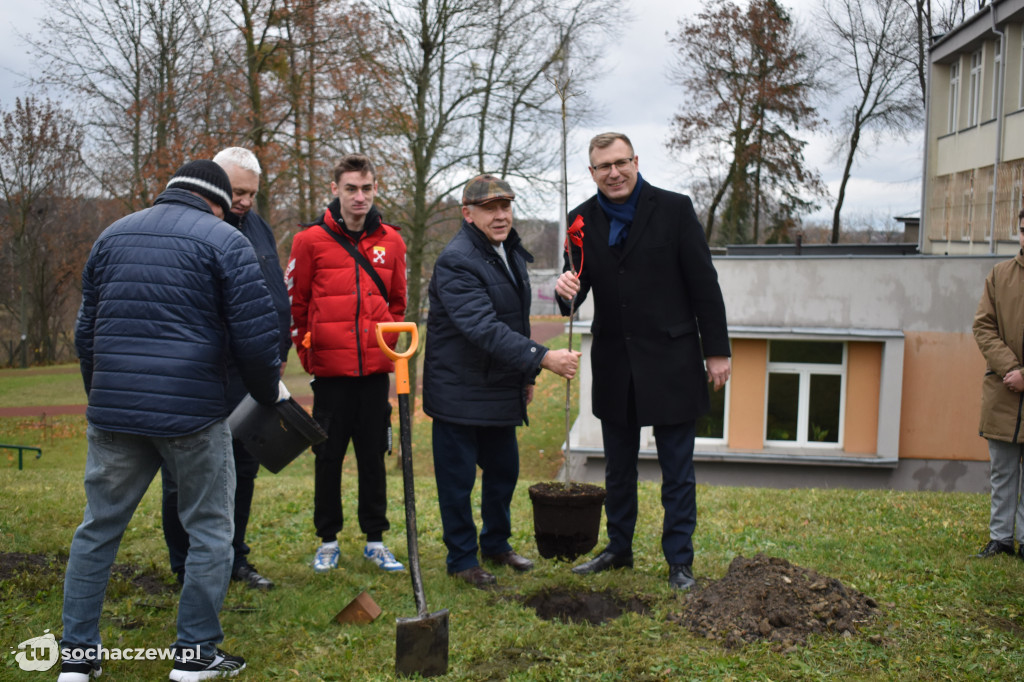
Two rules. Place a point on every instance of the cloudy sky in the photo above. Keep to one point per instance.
(632, 96)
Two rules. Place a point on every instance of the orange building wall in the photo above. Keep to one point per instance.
(746, 394)
(941, 404)
(863, 386)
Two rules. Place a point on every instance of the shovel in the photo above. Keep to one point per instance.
(421, 642)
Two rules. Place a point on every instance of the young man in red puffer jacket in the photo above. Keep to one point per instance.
(346, 273)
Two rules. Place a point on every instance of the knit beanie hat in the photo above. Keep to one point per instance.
(205, 178)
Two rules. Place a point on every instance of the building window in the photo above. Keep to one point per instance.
(954, 95)
(974, 90)
(997, 71)
(805, 393)
(714, 425)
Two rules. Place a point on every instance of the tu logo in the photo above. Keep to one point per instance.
(38, 653)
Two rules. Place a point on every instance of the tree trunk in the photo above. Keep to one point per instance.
(717, 200)
(854, 139)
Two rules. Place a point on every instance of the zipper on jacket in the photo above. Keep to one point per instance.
(359, 304)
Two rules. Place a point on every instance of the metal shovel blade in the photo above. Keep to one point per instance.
(421, 645)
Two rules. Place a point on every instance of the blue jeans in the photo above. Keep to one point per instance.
(118, 470)
(246, 469)
(458, 450)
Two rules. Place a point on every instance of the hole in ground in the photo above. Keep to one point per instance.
(572, 606)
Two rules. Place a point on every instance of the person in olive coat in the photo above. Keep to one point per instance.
(999, 332)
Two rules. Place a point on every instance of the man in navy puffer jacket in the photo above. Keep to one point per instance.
(478, 377)
(169, 294)
(243, 170)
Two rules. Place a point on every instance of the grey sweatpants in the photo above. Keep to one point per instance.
(1007, 503)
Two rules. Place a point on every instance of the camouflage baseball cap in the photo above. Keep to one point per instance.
(485, 188)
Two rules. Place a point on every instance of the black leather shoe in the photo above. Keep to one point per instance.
(247, 574)
(680, 576)
(510, 559)
(1020, 551)
(993, 548)
(475, 576)
(604, 561)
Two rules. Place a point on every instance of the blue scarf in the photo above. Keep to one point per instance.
(620, 216)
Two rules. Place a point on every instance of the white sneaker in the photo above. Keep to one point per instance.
(383, 557)
(326, 558)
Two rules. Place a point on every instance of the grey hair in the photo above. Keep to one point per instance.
(238, 156)
(605, 140)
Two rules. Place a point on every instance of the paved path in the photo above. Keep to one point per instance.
(542, 329)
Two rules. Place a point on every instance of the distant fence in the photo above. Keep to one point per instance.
(542, 283)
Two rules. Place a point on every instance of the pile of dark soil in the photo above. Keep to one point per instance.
(769, 598)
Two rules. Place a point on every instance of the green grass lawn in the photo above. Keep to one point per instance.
(943, 616)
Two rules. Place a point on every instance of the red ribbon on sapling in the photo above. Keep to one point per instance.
(575, 235)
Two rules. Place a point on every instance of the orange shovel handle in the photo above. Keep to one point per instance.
(401, 360)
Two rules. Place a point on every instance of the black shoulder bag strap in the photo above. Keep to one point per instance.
(360, 259)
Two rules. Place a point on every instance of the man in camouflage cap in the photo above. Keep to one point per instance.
(478, 376)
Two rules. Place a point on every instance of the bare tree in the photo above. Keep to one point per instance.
(952, 13)
(931, 18)
(310, 36)
(874, 53)
(134, 66)
(527, 42)
(307, 94)
(42, 241)
(749, 78)
(330, 90)
(462, 96)
(255, 73)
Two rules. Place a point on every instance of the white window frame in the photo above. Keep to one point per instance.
(1017, 187)
(974, 90)
(988, 209)
(947, 208)
(724, 440)
(954, 95)
(805, 370)
(967, 212)
(997, 68)
(1020, 83)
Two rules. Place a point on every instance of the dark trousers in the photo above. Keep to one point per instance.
(356, 409)
(246, 469)
(458, 450)
(678, 486)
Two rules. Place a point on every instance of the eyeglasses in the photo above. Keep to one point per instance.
(606, 168)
